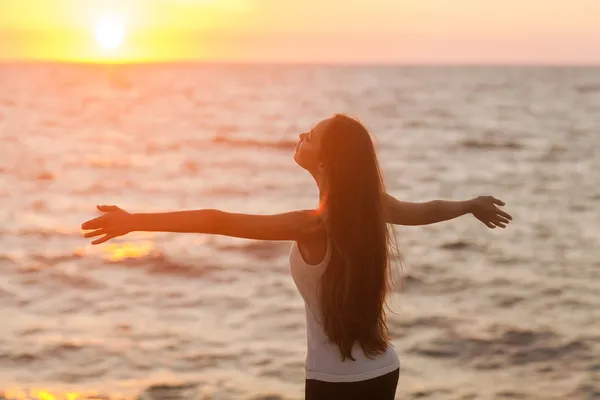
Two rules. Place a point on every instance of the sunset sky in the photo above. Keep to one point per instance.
(357, 31)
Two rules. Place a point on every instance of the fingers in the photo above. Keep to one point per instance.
(502, 219)
(102, 220)
(108, 208)
(95, 233)
(503, 214)
(102, 225)
(489, 224)
(96, 223)
(107, 235)
(497, 201)
(103, 239)
(500, 224)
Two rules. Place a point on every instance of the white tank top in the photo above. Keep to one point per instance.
(323, 358)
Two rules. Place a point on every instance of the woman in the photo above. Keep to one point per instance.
(340, 257)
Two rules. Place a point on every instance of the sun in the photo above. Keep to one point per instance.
(109, 31)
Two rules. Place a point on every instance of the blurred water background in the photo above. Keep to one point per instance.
(484, 314)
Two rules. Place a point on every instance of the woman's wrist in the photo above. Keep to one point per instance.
(135, 222)
(470, 205)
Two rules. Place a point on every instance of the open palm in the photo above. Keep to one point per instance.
(113, 223)
(485, 209)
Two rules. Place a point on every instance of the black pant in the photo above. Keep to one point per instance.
(380, 388)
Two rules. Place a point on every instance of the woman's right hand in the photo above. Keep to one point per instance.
(113, 223)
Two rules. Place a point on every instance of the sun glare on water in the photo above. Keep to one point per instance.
(109, 31)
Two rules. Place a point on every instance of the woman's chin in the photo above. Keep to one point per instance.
(298, 160)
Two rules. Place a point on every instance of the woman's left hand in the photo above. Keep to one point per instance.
(115, 222)
(485, 209)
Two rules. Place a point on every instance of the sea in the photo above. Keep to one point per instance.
(480, 313)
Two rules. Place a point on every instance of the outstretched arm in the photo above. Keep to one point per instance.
(483, 208)
(292, 226)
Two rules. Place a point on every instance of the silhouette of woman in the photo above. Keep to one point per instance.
(340, 257)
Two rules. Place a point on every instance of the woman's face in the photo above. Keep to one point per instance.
(308, 149)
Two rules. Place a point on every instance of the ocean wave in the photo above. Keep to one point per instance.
(50, 275)
(422, 283)
(488, 144)
(53, 259)
(154, 261)
(457, 245)
(410, 282)
(591, 88)
(506, 300)
(57, 350)
(170, 392)
(45, 176)
(506, 346)
(432, 321)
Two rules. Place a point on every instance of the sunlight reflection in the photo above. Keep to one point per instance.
(44, 394)
(121, 251)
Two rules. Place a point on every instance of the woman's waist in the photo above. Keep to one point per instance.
(325, 356)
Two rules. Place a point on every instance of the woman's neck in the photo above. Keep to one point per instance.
(320, 181)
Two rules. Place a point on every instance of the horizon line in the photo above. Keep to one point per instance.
(340, 63)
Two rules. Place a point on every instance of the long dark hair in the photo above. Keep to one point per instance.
(358, 278)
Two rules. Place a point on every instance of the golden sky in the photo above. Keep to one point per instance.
(363, 31)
